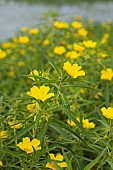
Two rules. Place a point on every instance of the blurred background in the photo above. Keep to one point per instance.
(15, 14)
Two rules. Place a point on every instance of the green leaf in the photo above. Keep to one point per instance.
(81, 85)
(12, 153)
(59, 129)
(110, 162)
(103, 120)
(107, 94)
(58, 70)
(65, 126)
(57, 166)
(69, 167)
(70, 113)
(91, 164)
(22, 132)
(42, 152)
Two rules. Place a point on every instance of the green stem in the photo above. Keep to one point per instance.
(44, 131)
(107, 94)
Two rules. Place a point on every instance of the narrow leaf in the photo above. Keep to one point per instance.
(22, 132)
(69, 167)
(110, 163)
(91, 164)
(59, 72)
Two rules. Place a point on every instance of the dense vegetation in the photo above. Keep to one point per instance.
(56, 97)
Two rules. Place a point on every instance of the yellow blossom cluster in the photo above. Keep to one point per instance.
(35, 73)
(72, 54)
(3, 134)
(61, 24)
(7, 45)
(59, 158)
(90, 44)
(86, 123)
(33, 31)
(14, 125)
(23, 39)
(76, 24)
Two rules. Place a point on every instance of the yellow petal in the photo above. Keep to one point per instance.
(67, 66)
(1, 164)
(50, 165)
(26, 141)
(52, 156)
(59, 157)
(48, 96)
(81, 73)
(21, 146)
(44, 90)
(35, 142)
(62, 164)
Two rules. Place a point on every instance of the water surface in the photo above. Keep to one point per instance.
(14, 15)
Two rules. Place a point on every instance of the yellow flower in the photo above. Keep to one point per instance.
(11, 73)
(28, 146)
(8, 51)
(87, 124)
(76, 24)
(50, 166)
(15, 125)
(3, 134)
(98, 95)
(82, 32)
(15, 39)
(23, 39)
(108, 113)
(102, 55)
(73, 70)
(22, 52)
(89, 44)
(78, 48)
(20, 63)
(24, 29)
(83, 91)
(59, 50)
(71, 123)
(107, 74)
(1, 164)
(31, 107)
(59, 158)
(61, 25)
(46, 42)
(34, 31)
(2, 54)
(8, 45)
(40, 93)
(69, 46)
(73, 54)
(35, 73)
(105, 38)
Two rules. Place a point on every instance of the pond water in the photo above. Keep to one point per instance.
(14, 15)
